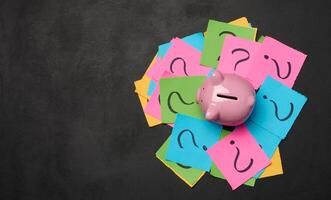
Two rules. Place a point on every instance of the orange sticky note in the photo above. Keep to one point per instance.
(275, 168)
(142, 86)
(240, 22)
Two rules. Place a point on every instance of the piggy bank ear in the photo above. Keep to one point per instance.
(211, 113)
(217, 77)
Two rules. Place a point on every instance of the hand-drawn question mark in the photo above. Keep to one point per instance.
(224, 33)
(193, 139)
(175, 60)
(180, 98)
(241, 60)
(183, 166)
(278, 69)
(236, 160)
(276, 109)
(227, 32)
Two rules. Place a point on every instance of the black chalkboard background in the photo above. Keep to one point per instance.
(72, 126)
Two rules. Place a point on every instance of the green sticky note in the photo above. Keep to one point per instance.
(189, 175)
(213, 42)
(177, 95)
(261, 39)
(214, 171)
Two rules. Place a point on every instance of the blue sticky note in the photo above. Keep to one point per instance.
(151, 88)
(195, 40)
(277, 106)
(267, 141)
(189, 141)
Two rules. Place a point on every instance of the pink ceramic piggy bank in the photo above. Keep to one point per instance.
(226, 98)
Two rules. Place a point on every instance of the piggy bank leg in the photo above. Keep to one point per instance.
(211, 113)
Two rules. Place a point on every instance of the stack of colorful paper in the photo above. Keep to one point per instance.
(242, 154)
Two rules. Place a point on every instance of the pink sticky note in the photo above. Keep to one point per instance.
(153, 107)
(154, 70)
(181, 60)
(277, 60)
(238, 156)
(238, 55)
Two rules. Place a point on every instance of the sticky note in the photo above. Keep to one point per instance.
(151, 88)
(142, 86)
(214, 39)
(261, 39)
(190, 139)
(238, 55)
(151, 121)
(275, 168)
(266, 140)
(276, 108)
(188, 174)
(238, 156)
(240, 22)
(195, 40)
(155, 69)
(217, 173)
(181, 60)
(153, 107)
(277, 60)
(178, 96)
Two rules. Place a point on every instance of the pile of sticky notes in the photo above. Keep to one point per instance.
(240, 155)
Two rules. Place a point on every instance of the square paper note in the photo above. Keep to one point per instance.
(276, 108)
(177, 95)
(190, 138)
(214, 39)
(238, 156)
(278, 61)
(238, 55)
(188, 174)
(181, 60)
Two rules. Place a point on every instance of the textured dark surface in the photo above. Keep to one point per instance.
(72, 127)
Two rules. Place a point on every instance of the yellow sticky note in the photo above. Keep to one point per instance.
(243, 22)
(275, 168)
(142, 86)
(151, 121)
(240, 22)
